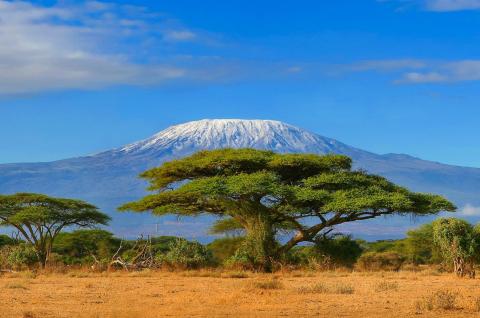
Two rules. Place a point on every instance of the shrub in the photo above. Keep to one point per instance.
(442, 299)
(388, 261)
(327, 253)
(309, 257)
(18, 256)
(80, 246)
(186, 255)
(6, 240)
(224, 248)
(342, 250)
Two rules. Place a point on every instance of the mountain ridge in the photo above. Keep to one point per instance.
(110, 178)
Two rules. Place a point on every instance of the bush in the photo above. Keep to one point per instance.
(387, 261)
(162, 244)
(224, 248)
(327, 253)
(185, 255)
(80, 246)
(442, 299)
(342, 250)
(6, 240)
(309, 257)
(18, 256)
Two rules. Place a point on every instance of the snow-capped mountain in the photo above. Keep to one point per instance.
(109, 179)
(236, 133)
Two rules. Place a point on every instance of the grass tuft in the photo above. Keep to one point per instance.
(16, 285)
(318, 288)
(442, 299)
(341, 288)
(386, 286)
(269, 284)
(235, 275)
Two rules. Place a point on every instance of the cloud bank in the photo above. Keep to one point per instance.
(409, 71)
(452, 5)
(81, 46)
(470, 210)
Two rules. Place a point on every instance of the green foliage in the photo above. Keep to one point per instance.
(228, 226)
(19, 256)
(82, 246)
(6, 240)
(266, 193)
(186, 255)
(328, 252)
(342, 249)
(372, 261)
(162, 244)
(383, 246)
(224, 248)
(457, 239)
(417, 248)
(40, 218)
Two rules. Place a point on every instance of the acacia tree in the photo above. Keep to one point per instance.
(459, 243)
(40, 218)
(266, 192)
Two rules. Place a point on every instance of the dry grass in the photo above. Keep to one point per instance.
(237, 294)
(318, 288)
(440, 300)
(268, 284)
(16, 285)
(321, 288)
(386, 286)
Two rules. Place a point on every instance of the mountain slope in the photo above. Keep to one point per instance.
(110, 178)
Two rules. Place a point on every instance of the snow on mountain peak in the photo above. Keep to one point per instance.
(236, 133)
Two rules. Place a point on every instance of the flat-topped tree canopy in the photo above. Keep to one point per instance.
(263, 189)
(40, 218)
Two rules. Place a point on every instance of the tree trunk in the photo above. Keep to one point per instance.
(459, 267)
(259, 247)
(42, 259)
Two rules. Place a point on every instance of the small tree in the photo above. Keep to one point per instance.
(40, 218)
(267, 193)
(459, 244)
(185, 254)
(85, 246)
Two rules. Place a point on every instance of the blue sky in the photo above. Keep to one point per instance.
(386, 76)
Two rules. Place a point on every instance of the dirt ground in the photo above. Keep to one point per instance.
(235, 294)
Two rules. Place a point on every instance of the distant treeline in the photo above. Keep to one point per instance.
(99, 248)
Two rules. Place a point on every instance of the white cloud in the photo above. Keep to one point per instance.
(470, 210)
(81, 46)
(410, 71)
(294, 69)
(457, 71)
(429, 77)
(452, 5)
(385, 65)
(179, 35)
(438, 5)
